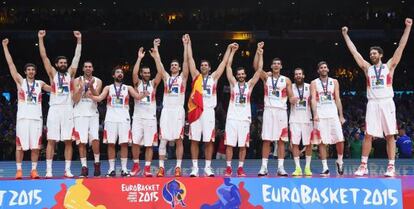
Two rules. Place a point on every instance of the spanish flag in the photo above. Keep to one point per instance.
(195, 103)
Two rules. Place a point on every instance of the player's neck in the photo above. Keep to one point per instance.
(275, 74)
(299, 84)
(378, 64)
(241, 83)
(30, 80)
(87, 77)
(323, 78)
(204, 75)
(117, 83)
(175, 74)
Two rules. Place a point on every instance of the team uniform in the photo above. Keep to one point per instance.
(86, 118)
(60, 124)
(300, 116)
(205, 125)
(329, 126)
(117, 119)
(172, 114)
(29, 124)
(144, 125)
(275, 121)
(238, 116)
(380, 116)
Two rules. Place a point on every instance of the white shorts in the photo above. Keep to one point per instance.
(172, 123)
(115, 130)
(204, 126)
(381, 118)
(59, 123)
(86, 129)
(275, 124)
(329, 131)
(28, 134)
(301, 131)
(144, 132)
(237, 133)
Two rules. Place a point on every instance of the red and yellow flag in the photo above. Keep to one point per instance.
(195, 103)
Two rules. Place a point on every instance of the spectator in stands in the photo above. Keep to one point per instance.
(404, 144)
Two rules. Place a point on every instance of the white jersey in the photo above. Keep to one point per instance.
(174, 92)
(146, 108)
(275, 94)
(29, 100)
(326, 106)
(117, 107)
(86, 107)
(62, 89)
(209, 92)
(379, 83)
(301, 111)
(239, 105)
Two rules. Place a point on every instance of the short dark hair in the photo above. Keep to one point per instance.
(88, 61)
(298, 68)
(143, 67)
(240, 68)
(29, 65)
(377, 48)
(175, 60)
(60, 58)
(277, 59)
(117, 67)
(204, 60)
(322, 63)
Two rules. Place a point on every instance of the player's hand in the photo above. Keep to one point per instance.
(294, 100)
(184, 38)
(146, 93)
(141, 53)
(344, 30)
(5, 42)
(77, 34)
(89, 95)
(91, 82)
(408, 22)
(41, 33)
(157, 42)
(188, 38)
(315, 118)
(260, 51)
(260, 45)
(342, 120)
(234, 46)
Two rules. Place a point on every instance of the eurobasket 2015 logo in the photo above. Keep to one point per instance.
(174, 193)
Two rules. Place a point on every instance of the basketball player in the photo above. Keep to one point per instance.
(29, 124)
(117, 119)
(144, 125)
(239, 111)
(300, 121)
(86, 117)
(326, 106)
(60, 116)
(380, 117)
(205, 125)
(275, 123)
(172, 115)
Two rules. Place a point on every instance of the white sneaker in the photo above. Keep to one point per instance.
(194, 172)
(390, 171)
(49, 174)
(263, 171)
(281, 172)
(362, 170)
(208, 171)
(68, 174)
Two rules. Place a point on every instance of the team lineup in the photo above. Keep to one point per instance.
(315, 112)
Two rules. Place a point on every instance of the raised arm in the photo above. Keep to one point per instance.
(185, 71)
(363, 64)
(257, 74)
(50, 70)
(13, 71)
(135, 78)
(157, 58)
(45, 87)
(338, 102)
(256, 56)
(222, 66)
(191, 63)
(134, 93)
(75, 61)
(229, 71)
(395, 59)
(100, 97)
(314, 103)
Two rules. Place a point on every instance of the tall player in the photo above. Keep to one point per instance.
(60, 116)
(144, 125)
(300, 121)
(380, 116)
(117, 119)
(172, 115)
(275, 122)
(205, 125)
(29, 124)
(239, 111)
(86, 117)
(326, 106)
